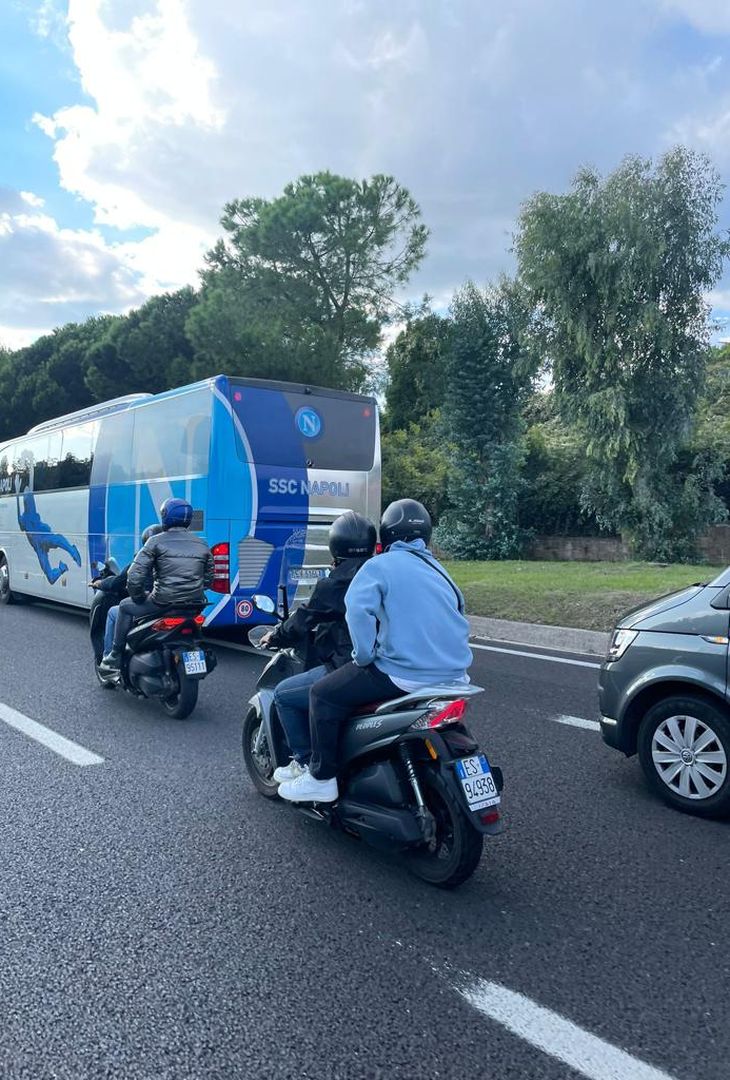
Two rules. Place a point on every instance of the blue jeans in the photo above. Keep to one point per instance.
(111, 622)
(291, 698)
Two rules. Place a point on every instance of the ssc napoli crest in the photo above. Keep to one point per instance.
(309, 422)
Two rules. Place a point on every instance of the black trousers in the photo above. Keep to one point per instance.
(129, 610)
(332, 701)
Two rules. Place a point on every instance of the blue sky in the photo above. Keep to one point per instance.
(126, 124)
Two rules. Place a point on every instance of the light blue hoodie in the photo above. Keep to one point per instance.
(404, 617)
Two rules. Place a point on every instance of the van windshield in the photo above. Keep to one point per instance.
(298, 430)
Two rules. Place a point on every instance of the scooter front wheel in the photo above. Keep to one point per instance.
(180, 705)
(257, 760)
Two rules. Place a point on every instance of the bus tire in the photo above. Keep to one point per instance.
(180, 705)
(6, 594)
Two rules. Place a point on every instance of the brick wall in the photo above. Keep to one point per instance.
(715, 548)
(579, 548)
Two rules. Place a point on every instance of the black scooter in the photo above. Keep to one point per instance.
(164, 657)
(412, 778)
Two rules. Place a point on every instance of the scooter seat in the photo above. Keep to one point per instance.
(365, 710)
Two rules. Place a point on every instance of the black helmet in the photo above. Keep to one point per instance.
(176, 514)
(352, 536)
(151, 530)
(406, 520)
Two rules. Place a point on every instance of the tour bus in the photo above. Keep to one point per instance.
(267, 467)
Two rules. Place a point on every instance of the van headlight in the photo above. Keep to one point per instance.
(620, 642)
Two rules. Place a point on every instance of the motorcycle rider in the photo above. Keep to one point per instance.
(319, 627)
(408, 628)
(182, 568)
(115, 587)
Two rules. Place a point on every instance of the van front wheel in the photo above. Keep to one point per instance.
(684, 749)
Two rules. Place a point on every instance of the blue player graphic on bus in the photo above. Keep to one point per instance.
(42, 538)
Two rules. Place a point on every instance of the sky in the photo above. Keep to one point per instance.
(125, 125)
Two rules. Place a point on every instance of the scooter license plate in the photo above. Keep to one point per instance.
(194, 662)
(477, 782)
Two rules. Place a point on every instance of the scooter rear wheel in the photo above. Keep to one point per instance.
(180, 705)
(258, 764)
(454, 854)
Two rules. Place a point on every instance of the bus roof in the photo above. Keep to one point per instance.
(129, 401)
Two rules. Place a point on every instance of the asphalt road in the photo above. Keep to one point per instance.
(160, 919)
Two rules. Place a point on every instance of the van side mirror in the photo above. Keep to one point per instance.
(722, 599)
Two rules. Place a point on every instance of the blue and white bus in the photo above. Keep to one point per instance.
(267, 467)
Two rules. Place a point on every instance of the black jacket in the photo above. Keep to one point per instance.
(181, 564)
(318, 627)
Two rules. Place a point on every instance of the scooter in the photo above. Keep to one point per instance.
(412, 777)
(164, 657)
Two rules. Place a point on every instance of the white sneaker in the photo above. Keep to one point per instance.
(288, 772)
(306, 789)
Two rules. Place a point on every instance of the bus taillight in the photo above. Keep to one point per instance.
(222, 574)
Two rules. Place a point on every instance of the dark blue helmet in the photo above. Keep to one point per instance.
(176, 514)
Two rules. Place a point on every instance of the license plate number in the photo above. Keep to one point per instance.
(477, 782)
(194, 662)
(303, 574)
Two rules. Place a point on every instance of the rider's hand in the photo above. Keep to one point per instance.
(264, 642)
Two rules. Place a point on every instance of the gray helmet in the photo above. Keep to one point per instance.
(151, 530)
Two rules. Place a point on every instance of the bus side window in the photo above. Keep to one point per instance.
(112, 462)
(171, 437)
(47, 455)
(74, 469)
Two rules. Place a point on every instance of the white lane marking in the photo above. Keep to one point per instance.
(577, 721)
(556, 1036)
(536, 656)
(79, 755)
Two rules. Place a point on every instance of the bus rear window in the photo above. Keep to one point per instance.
(313, 431)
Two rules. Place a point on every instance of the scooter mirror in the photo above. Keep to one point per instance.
(265, 604)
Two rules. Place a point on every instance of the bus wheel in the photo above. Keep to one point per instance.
(6, 596)
(180, 705)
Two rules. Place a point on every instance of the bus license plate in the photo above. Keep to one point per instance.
(194, 662)
(477, 782)
(300, 575)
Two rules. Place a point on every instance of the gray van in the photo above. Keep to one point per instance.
(664, 694)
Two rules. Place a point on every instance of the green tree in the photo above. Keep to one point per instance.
(47, 378)
(550, 495)
(416, 464)
(319, 264)
(490, 373)
(147, 351)
(619, 268)
(713, 412)
(232, 330)
(416, 371)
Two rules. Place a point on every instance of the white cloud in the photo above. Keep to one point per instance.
(711, 16)
(50, 275)
(32, 200)
(149, 84)
(473, 106)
